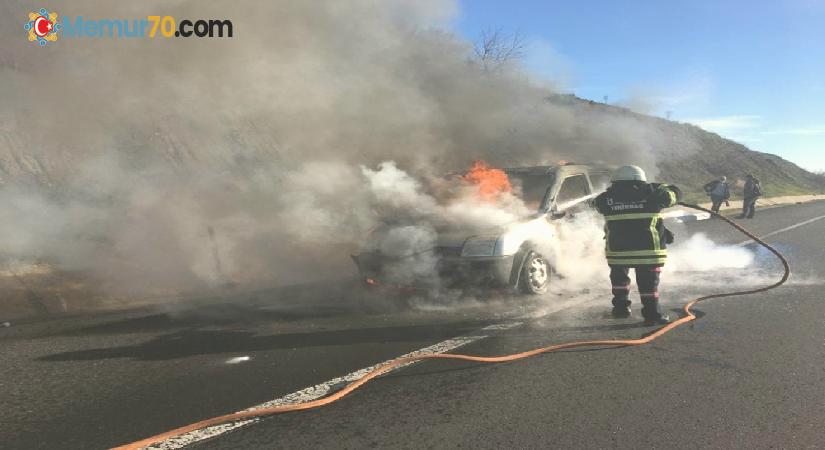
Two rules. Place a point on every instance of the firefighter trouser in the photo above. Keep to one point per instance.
(647, 280)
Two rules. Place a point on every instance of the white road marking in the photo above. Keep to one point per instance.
(237, 359)
(773, 233)
(327, 387)
(682, 216)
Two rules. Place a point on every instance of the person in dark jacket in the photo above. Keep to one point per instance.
(636, 238)
(752, 191)
(719, 191)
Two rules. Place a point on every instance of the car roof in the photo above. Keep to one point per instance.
(562, 168)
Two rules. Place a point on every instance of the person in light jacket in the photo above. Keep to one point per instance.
(719, 191)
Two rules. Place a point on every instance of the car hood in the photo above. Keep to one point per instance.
(449, 236)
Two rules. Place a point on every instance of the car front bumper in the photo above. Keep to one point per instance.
(492, 271)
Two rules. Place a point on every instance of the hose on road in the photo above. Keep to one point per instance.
(688, 316)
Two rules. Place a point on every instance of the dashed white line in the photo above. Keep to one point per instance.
(238, 360)
(322, 389)
(773, 233)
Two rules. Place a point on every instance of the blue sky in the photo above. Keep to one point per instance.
(752, 71)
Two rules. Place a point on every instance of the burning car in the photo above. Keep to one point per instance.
(513, 255)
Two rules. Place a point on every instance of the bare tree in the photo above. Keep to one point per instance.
(494, 48)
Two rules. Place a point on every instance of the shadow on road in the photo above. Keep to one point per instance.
(193, 342)
(212, 315)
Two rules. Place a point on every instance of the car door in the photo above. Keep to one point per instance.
(573, 191)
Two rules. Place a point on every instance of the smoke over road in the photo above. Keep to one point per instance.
(290, 139)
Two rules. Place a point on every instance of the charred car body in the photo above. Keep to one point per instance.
(511, 256)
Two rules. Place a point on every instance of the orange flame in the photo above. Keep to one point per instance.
(489, 182)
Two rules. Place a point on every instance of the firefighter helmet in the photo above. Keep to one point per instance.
(629, 173)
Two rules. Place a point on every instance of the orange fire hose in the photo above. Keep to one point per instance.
(486, 359)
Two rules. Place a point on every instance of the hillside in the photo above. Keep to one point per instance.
(710, 155)
(713, 156)
(720, 156)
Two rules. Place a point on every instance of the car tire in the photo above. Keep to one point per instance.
(534, 278)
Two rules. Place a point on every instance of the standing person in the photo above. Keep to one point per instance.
(636, 238)
(719, 191)
(753, 190)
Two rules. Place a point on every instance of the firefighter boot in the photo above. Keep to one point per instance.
(621, 308)
(621, 290)
(650, 310)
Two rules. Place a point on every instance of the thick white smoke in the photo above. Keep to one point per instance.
(700, 253)
(579, 257)
(159, 165)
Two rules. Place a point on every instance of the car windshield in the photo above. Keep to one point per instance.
(531, 188)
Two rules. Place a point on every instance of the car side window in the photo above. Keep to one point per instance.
(599, 180)
(572, 188)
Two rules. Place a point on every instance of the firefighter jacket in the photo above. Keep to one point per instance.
(634, 231)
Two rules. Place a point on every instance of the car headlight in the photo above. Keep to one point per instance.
(508, 244)
(479, 246)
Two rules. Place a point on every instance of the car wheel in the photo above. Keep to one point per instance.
(535, 275)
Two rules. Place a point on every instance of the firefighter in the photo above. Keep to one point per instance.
(636, 238)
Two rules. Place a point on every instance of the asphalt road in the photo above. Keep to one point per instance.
(749, 373)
